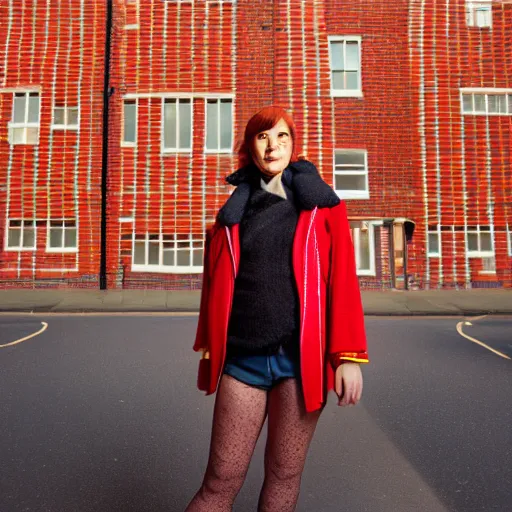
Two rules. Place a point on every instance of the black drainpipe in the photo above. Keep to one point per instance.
(107, 93)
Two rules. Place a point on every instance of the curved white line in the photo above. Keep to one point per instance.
(482, 344)
(45, 326)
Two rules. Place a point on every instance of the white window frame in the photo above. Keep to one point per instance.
(509, 239)
(437, 232)
(168, 269)
(479, 253)
(472, 7)
(355, 232)
(25, 124)
(486, 92)
(177, 149)
(63, 227)
(346, 93)
(21, 246)
(219, 150)
(352, 194)
(66, 125)
(129, 144)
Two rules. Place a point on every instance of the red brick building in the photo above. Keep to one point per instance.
(405, 108)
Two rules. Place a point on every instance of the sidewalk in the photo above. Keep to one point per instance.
(392, 303)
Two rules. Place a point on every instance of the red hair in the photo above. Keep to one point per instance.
(263, 120)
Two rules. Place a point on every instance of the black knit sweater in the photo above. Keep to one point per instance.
(265, 305)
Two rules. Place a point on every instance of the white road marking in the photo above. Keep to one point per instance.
(45, 326)
(478, 342)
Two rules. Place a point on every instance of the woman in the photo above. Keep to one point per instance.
(281, 320)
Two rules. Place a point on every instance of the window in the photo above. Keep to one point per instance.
(345, 59)
(65, 118)
(351, 173)
(181, 253)
(24, 126)
(177, 126)
(219, 125)
(434, 241)
(509, 240)
(364, 247)
(129, 123)
(21, 235)
(479, 14)
(479, 241)
(62, 236)
(498, 104)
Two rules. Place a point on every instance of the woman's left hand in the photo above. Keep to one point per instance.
(348, 383)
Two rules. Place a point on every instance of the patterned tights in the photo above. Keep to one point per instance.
(239, 414)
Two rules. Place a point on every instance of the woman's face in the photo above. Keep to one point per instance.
(272, 149)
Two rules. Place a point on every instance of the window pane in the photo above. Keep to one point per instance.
(472, 242)
(225, 124)
(483, 16)
(170, 124)
(364, 249)
(348, 182)
(73, 116)
(56, 238)
(338, 80)
(337, 55)
(489, 264)
(492, 101)
(14, 238)
(467, 103)
(211, 125)
(352, 158)
(485, 241)
(33, 108)
(140, 253)
(183, 258)
(32, 135)
(28, 237)
(130, 113)
(352, 53)
(18, 136)
(58, 115)
(479, 102)
(510, 103)
(198, 258)
(502, 103)
(153, 256)
(352, 80)
(70, 238)
(433, 243)
(169, 257)
(19, 108)
(185, 124)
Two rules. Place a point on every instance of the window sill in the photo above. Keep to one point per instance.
(128, 144)
(346, 94)
(351, 195)
(73, 127)
(166, 270)
(20, 249)
(218, 151)
(366, 273)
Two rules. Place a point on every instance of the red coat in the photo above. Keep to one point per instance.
(331, 313)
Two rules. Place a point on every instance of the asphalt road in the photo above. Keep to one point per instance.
(100, 413)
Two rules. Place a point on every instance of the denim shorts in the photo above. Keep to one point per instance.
(263, 371)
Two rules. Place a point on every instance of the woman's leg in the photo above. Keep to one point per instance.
(290, 430)
(239, 414)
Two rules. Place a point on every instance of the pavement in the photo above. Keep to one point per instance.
(378, 303)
